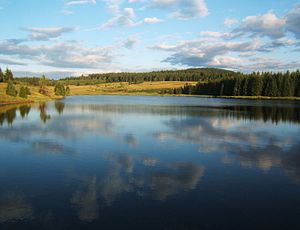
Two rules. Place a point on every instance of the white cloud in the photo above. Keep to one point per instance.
(130, 42)
(215, 34)
(270, 25)
(263, 25)
(281, 42)
(113, 6)
(46, 33)
(183, 9)
(228, 22)
(80, 2)
(61, 55)
(123, 19)
(51, 74)
(227, 54)
(127, 18)
(293, 21)
(152, 20)
(6, 61)
(258, 36)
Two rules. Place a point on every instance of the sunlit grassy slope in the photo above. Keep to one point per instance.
(124, 88)
(34, 97)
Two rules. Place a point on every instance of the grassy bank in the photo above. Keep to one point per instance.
(124, 88)
(120, 88)
(34, 97)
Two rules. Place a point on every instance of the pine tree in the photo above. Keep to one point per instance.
(297, 87)
(222, 89)
(255, 85)
(237, 87)
(245, 87)
(10, 89)
(42, 84)
(23, 92)
(8, 76)
(1, 76)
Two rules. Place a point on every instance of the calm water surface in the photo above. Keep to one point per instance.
(111, 162)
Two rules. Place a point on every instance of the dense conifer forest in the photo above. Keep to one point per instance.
(200, 74)
(256, 84)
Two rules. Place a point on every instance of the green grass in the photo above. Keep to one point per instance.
(120, 88)
(34, 97)
(124, 88)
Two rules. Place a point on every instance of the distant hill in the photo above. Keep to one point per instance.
(194, 74)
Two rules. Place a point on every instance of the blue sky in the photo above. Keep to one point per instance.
(73, 37)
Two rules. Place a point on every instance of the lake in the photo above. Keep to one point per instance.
(133, 162)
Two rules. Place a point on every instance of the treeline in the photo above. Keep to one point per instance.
(6, 76)
(202, 74)
(256, 84)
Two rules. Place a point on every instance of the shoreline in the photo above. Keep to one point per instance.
(254, 98)
(15, 102)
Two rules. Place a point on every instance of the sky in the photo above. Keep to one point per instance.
(62, 38)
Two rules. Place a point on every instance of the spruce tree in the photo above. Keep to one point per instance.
(10, 89)
(42, 84)
(23, 92)
(1, 76)
(8, 76)
(256, 85)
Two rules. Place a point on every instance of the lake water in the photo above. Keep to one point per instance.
(112, 162)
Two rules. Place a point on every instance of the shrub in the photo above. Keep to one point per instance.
(59, 89)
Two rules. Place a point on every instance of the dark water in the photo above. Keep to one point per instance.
(150, 163)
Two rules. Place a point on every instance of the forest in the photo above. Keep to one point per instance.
(265, 84)
(197, 74)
